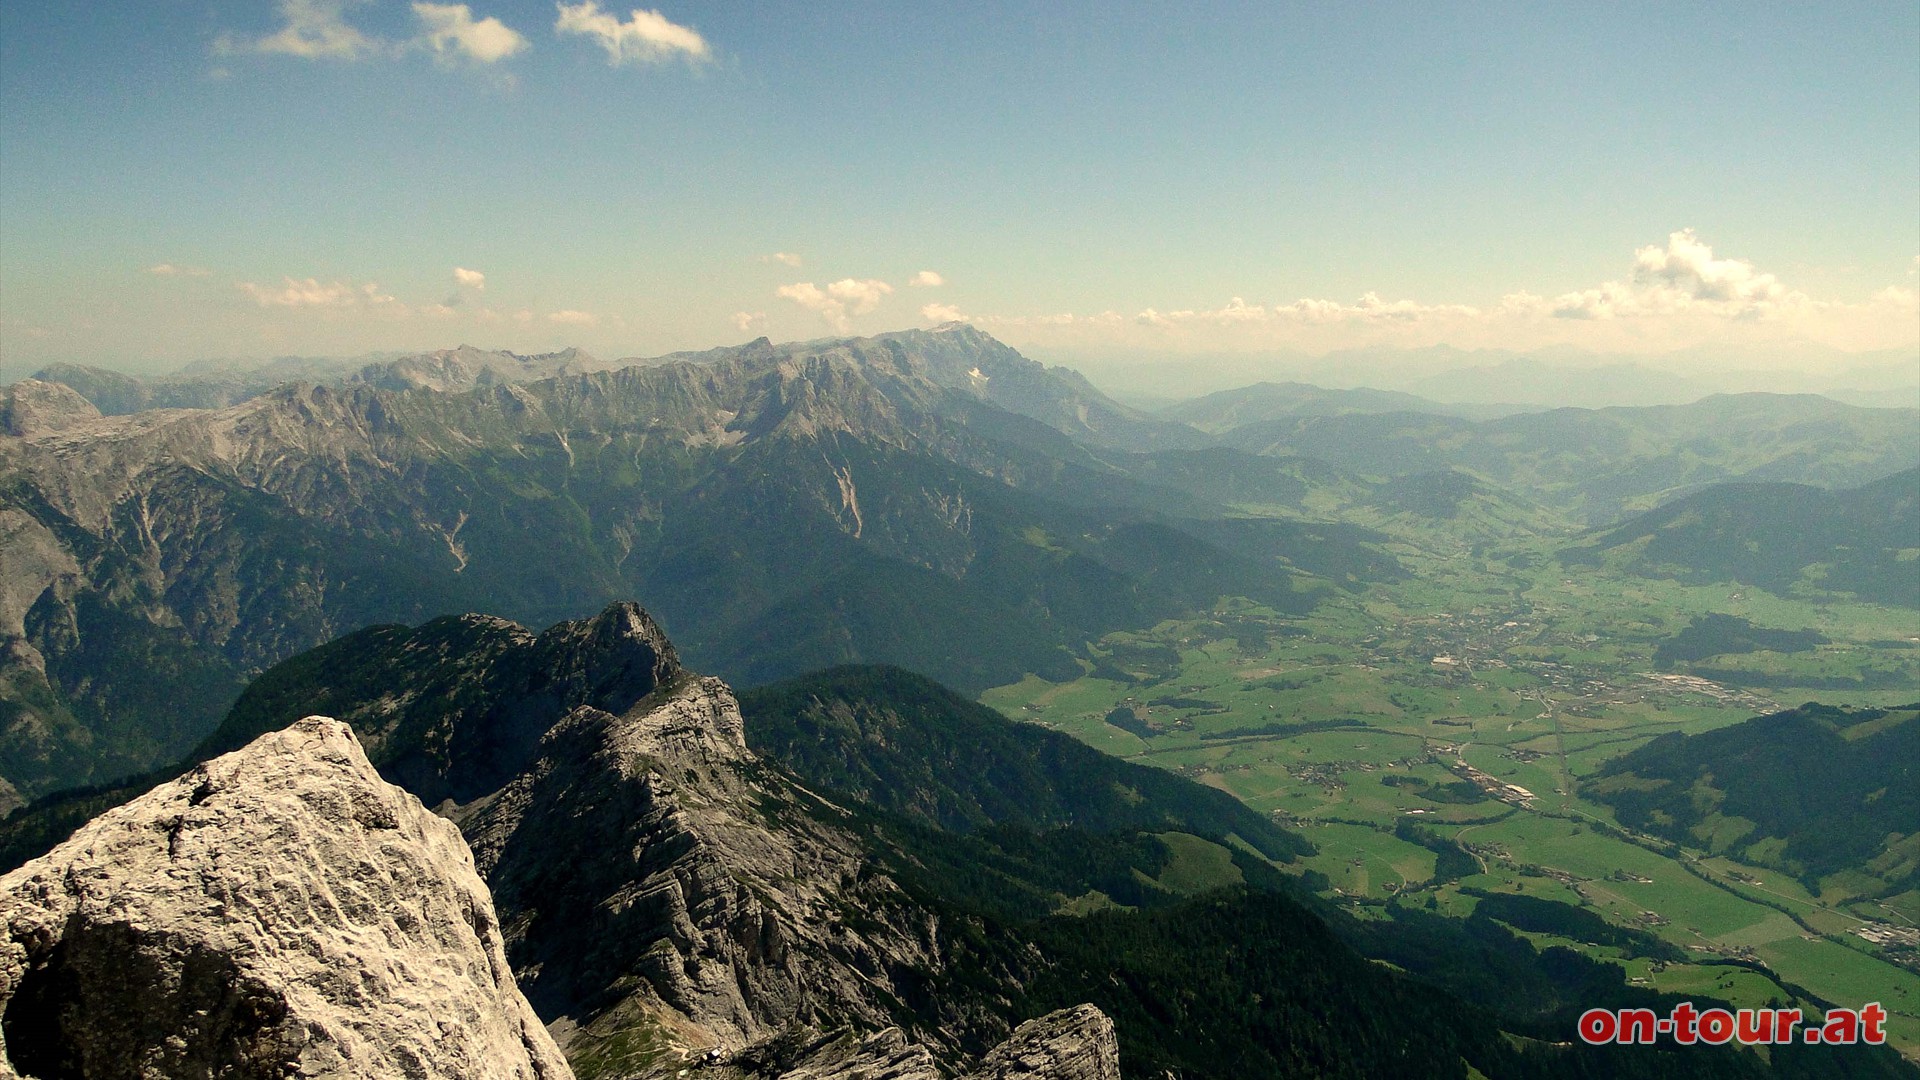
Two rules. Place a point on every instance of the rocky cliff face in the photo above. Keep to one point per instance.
(716, 911)
(279, 911)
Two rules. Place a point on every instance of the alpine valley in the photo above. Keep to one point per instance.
(1004, 730)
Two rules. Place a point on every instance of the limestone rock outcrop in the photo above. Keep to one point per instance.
(1072, 1044)
(32, 407)
(279, 911)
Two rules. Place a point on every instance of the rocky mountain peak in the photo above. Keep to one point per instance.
(460, 704)
(278, 911)
(698, 721)
(31, 407)
(612, 660)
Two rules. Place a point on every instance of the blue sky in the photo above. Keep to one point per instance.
(306, 176)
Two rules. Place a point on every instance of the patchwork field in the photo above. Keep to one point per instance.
(1469, 704)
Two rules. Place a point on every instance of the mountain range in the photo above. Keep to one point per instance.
(930, 499)
(782, 503)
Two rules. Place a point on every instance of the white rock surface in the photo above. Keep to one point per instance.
(1071, 1044)
(278, 912)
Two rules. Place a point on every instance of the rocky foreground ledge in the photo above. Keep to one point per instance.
(278, 912)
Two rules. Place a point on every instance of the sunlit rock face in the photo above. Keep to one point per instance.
(279, 911)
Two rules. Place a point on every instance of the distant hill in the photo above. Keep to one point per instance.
(210, 386)
(1229, 409)
(903, 742)
(204, 387)
(1530, 382)
(1600, 465)
(1785, 538)
(1813, 791)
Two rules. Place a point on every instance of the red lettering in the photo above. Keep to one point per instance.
(1598, 1026)
(1871, 1017)
(1842, 1026)
(1637, 1026)
(1756, 1026)
(1716, 1026)
(1683, 1021)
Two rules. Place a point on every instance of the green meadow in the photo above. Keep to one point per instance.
(1419, 701)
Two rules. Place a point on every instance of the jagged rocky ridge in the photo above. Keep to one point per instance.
(278, 911)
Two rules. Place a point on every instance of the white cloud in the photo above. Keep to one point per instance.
(784, 258)
(451, 30)
(942, 313)
(315, 30)
(647, 37)
(1683, 277)
(470, 279)
(840, 300)
(1688, 266)
(1671, 296)
(177, 270)
(926, 279)
(860, 297)
(311, 293)
(744, 321)
(1369, 308)
(1896, 297)
(570, 317)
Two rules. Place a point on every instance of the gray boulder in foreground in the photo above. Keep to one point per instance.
(280, 911)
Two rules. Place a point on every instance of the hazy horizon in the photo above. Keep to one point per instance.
(1443, 374)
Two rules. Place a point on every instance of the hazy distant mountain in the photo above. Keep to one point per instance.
(1229, 409)
(1781, 537)
(1552, 377)
(218, 385)
(466, 367)
(200, 386)
(1530, 382)
(929, 499)
(1598, 464)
